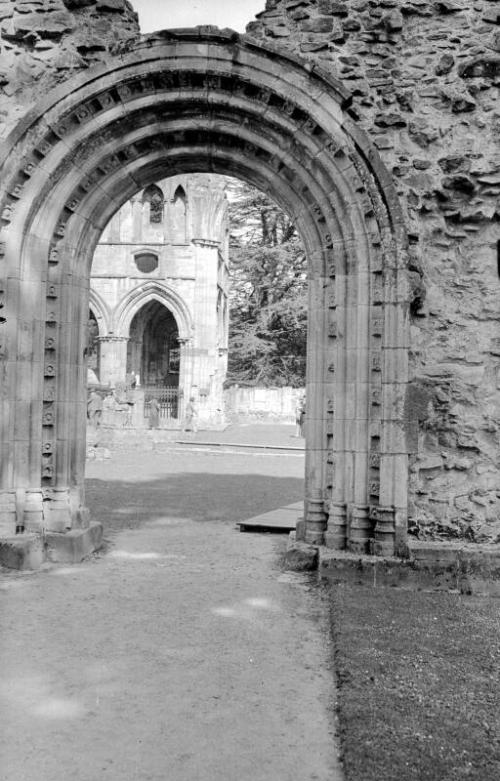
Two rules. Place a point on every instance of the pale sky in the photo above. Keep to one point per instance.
(162, 14)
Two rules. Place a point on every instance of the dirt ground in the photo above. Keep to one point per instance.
(180, 652)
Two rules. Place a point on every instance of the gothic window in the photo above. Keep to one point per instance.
(179, 216)
(154, 196)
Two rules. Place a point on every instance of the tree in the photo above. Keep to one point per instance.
(268, 324)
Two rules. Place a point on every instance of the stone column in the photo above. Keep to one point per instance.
(113, 359)
(315, 428)
(134, 350)
(185, 372)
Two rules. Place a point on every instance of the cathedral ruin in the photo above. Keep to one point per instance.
(159, 296)
(376, 126)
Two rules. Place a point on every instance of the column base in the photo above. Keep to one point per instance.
(336, 533)
(22, 552)
(31, 551)
(315, 519)
(360, 529)
(73, 546)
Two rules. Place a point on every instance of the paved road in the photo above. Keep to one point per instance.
(182, 652)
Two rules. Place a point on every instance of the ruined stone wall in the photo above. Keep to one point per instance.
(43, 42)
(424, 77)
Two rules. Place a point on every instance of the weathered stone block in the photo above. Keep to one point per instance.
(448, 7)
(394, 21)
(73, 546)
(299, 14)
(390, 119)
(486, 66)
(73, 4)
(320, 24)
(112, 5)
(314, 46)
(460, 182)
(444, 65)
(456, 163)
(52, 25)
(422, 132)
(491, 15)
(351, 25)
(333, 7)
(301, 557)
(23, 552)
(277, 31)
(461, 104)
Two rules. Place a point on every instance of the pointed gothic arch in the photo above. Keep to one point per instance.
(205, 100)
(153, 291)
(179, 216)
(100, 310)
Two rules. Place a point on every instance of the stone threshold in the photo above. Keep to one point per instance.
(30, 551)
(431, 566)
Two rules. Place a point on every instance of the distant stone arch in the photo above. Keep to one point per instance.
(101, 312)
(204, 100)
(152, 291)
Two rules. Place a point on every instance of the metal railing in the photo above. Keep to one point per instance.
(168, 399)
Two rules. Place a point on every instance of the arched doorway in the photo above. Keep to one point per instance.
(203, 100)
(153, 346)
(153, 354)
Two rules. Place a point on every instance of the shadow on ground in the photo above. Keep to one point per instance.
(124, 504)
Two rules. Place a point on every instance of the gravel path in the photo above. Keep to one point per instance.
(182, 651)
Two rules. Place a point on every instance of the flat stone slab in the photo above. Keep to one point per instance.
(284, 519)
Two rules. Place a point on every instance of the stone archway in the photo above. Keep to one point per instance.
(152, 337)
(120, 321)
(204, 100)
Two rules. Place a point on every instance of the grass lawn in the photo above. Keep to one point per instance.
(419, 684)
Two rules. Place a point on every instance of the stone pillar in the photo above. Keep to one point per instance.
(8, 513)
(113, 359)
(315, 428)
(185, 373)
(134, 352)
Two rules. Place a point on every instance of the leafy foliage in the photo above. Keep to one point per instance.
(268, 325)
